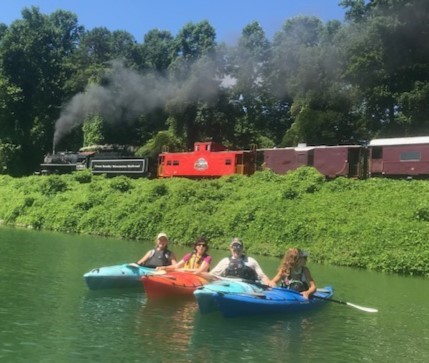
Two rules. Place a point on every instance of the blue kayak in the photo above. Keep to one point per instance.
(270, 301)
(117, 276)
(206, 294)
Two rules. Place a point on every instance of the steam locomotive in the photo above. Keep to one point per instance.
(393, 157)
(100, 159)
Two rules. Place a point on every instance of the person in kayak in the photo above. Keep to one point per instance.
(160, 255)
(293, 273)
(239, 265)
(196, 261)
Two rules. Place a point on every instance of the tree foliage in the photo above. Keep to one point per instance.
(315, 82)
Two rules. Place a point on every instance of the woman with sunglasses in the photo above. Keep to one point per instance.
(196, 261)
(293, 273)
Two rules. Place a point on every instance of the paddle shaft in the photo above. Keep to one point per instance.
(362, 308)
(329, 299)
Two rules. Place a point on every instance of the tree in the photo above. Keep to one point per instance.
(195, 40)
(10, 156)
(33, 53)
(93, 131)
(306, 73)
(158, 49)
(248, 67)
(195, 75)
(387, 55)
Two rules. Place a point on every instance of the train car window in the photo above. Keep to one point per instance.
(228, 162)
(410, 155)
(377, 153)
(168, 162)
(207, 147)
(175, 162)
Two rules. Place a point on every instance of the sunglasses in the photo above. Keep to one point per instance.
(201, 244)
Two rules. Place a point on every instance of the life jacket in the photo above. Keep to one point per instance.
(159, 258)
(194, 262)
(296, 281)
(237, 268)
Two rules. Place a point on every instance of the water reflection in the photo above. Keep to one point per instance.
(166, 324)
(283, 335)
(104, 322)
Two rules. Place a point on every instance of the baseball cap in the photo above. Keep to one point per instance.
(162, 234)
(236, 242)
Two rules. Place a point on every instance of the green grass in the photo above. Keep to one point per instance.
(377, 224)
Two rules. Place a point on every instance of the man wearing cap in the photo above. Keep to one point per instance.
(160, 255)
(239, 265)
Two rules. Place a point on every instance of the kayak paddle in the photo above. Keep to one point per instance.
(363, 308)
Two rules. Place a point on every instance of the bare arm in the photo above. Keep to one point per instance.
(274, 281)
(143, 260)
(311, 284)
(203, 268)
(172, 267)
(217, 270)
(207, 275)
(173, 259)
(261, 275)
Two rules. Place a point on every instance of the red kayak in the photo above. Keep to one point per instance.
(172, 283)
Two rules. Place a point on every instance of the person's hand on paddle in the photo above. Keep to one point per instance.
(306, 294)
(271, 283)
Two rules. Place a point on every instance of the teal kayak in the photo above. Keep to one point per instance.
(270, 301)
(206, 294)
(116, 276)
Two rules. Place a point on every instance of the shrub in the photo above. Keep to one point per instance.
(121, 183)
(53, 184)
(422, 213)
(83, 176)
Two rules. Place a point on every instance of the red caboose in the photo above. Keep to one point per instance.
(208, 159)
(398, 157)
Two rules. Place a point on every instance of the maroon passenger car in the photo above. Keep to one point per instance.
(331, 161)
(399, 157)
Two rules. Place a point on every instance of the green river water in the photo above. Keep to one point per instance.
(47, 314)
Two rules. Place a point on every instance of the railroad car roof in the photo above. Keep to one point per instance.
(400, 141)
(306, 148)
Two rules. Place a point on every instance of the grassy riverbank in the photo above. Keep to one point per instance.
(376, 224)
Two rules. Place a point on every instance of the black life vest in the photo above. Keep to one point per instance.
(237, 268)
(159, 258)
(296, 282)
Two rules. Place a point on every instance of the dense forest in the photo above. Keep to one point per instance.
(63, 87)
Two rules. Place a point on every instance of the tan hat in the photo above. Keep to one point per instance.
(236, 242)
(162, 234)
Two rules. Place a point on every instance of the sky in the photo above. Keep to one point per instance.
(138, 17)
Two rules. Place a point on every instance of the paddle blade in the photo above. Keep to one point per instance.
(363, 308)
